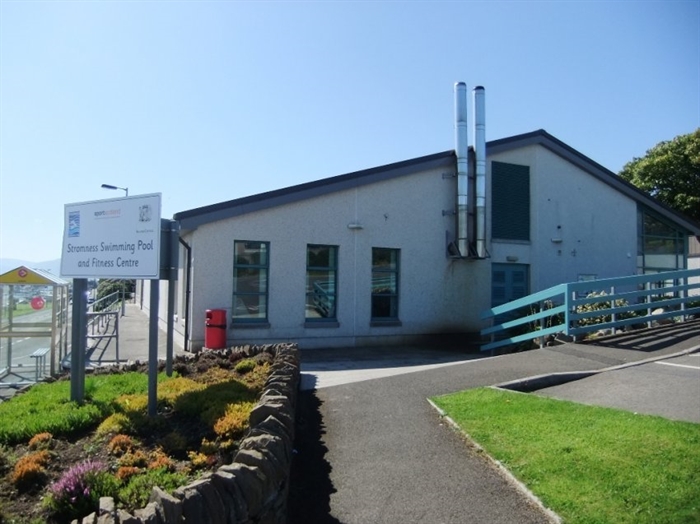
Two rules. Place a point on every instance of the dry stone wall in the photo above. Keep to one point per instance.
(253, 489)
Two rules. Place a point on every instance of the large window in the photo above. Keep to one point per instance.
(321, 282)
(251, 265)
(510, 201)
(385, 284)
(660, 246)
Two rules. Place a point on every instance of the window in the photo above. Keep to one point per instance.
(321, 282)
(385, 284)
(510, 201)
(251, 264)
(661, 247)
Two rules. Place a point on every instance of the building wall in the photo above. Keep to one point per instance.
(597, 226)
(437, 294)
(579, 226)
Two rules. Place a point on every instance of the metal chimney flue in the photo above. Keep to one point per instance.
(480, 169)
(462, 151)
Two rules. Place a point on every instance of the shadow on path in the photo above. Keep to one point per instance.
(310, 485)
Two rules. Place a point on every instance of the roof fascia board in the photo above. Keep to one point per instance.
(194, 218)
(591, 167)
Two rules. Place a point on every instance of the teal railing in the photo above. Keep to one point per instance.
(582, 307)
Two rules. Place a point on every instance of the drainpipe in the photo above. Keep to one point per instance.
(188, 271)
(480, 169)
(461, 150)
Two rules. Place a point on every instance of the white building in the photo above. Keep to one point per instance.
(400, 253)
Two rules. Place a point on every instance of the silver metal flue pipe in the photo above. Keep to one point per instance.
(480, 169)
(462, 151)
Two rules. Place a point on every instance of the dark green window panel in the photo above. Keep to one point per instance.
(510, 201)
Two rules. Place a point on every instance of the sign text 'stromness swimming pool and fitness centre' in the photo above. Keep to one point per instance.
(112, 238)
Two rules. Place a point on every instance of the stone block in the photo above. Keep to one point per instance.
(127, 518)
(272, 409)
(231, 496)
(256, 459)
(252, 483)
(107, 507)
(170, 508)
(149, 514)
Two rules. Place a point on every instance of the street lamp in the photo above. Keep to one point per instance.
(107, 186)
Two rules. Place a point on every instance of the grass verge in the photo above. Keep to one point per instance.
(588, 464)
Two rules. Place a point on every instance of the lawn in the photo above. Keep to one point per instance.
(588, 464)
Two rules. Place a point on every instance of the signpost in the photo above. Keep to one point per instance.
(112, 238)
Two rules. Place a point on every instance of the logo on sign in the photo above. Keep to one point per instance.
(74, 224)
(145, 213)
(22, 273)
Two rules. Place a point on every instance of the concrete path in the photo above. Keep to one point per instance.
(372, 449)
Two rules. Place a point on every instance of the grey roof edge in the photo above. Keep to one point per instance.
(550, 142)
(193, 218)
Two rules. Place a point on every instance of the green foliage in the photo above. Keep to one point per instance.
(601, 306)
(588, 464)
(107, 286)
(46, 407)
(210, 403)
(245, 366)
(670, 172)
(138, 488)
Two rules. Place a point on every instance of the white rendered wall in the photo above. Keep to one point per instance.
(597, 225)
(437, 295)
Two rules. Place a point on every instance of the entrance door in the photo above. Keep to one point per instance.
(508, 282)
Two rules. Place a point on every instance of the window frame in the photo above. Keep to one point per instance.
(257, 321)
(310, 294)
(394, 297)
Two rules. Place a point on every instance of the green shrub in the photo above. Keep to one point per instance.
(138, 488)
(245, 366)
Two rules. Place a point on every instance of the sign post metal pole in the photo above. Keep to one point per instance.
(78, 340)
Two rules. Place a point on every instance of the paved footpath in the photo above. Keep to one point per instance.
(370, 448)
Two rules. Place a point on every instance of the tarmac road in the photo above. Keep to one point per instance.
(371, 448)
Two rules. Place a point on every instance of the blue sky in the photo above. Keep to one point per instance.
(210, 101)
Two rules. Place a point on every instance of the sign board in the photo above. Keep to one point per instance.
(112, 238)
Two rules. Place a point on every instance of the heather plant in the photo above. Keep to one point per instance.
(41, 441)
(159, 459)
(78, 491)
(135, 458)
(121, 444)
(234, 422)
(115, 423)
(30, 471)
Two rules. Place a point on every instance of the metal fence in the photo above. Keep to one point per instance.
(577, 308)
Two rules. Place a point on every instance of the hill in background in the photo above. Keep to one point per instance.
(52, 266)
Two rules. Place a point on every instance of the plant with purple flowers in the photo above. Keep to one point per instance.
(78, 491)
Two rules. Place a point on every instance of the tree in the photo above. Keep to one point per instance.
(107, 286)
(670, 172)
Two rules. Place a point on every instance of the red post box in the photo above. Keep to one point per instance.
(215, 329)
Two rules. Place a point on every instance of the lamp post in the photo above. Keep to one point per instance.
(107, 186)
(126, 190)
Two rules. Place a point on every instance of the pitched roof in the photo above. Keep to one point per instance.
(193, 218)
(544, 139)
